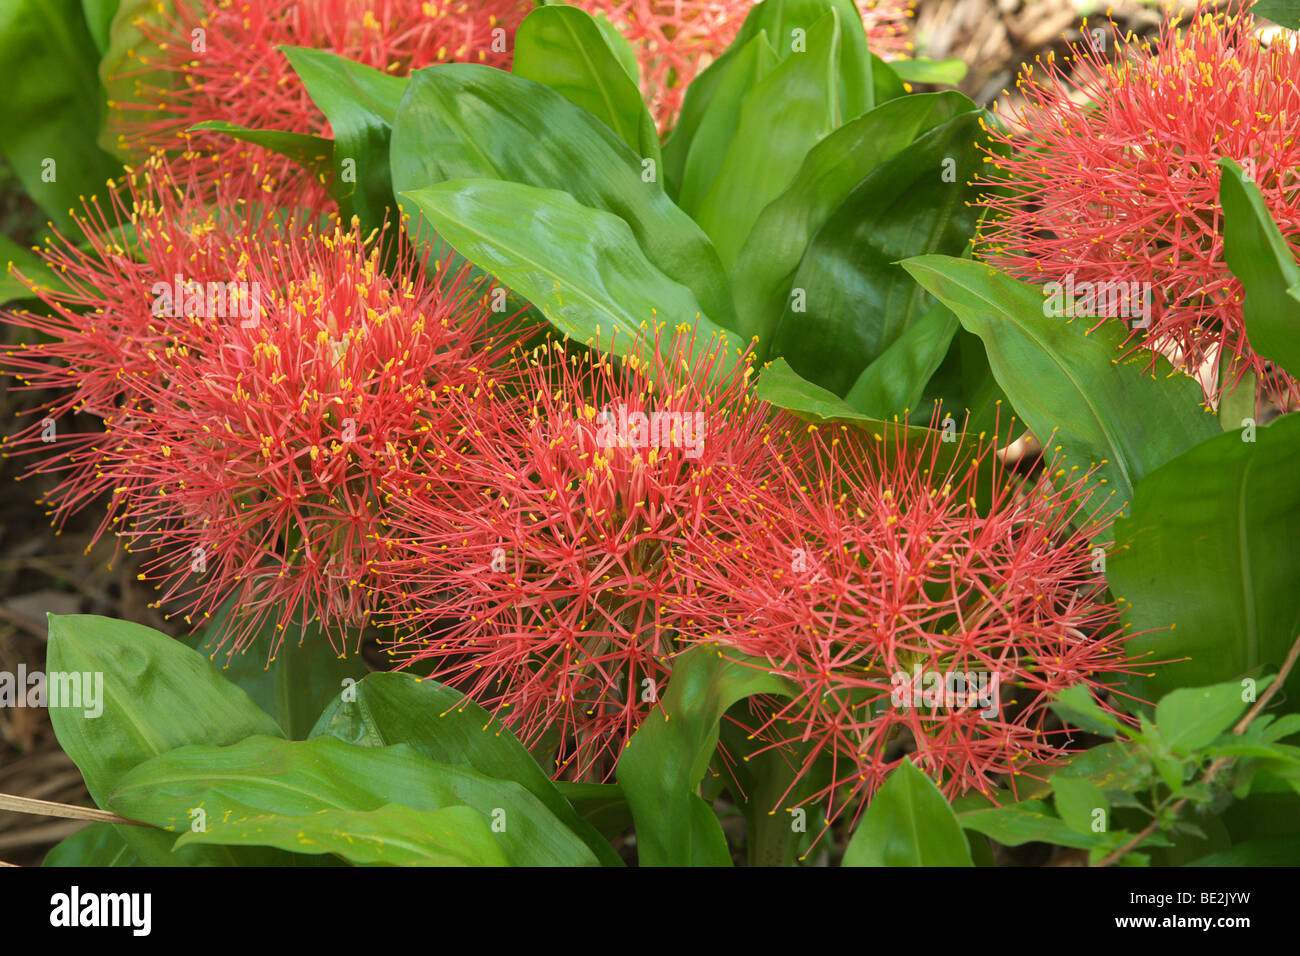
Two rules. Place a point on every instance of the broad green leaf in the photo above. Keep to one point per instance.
(764, 271)
(315, 154)
(620, 46)
(360, 103)
(963, 386)
(303, 777)
(718, 123)
(390, 835)
(566, 49)
(463, 121)
(447, 727)
(1078, 801)
(14, 256)
(97, 845)
(1282, 12)
(661, 769)
(851, 299)
(788, 112)
(894, 383)
(1030, 822)
(1259, 256)
(99, 20)
(1079, 708)
(922, 70)
(1207, 562)
(158, 695)
(1070, 386)
(51, 111)
(1192, 717)
(305, 675)
(908, 823)
(604, 807)
(580, 266)
(886, 81)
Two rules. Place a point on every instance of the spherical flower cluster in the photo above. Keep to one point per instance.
(1112, 177)
(908, 619)
(674, 40)
(257, 396)
(546, 590)
(221, 60)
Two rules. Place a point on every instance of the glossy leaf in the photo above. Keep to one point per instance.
(1070, 386)
(1190, 718)
(51, 108)
(718, 123)
(158, 695)
(447, 727)
(923, 70)
(462, 121)
(786, 113)
(661, 769)
(1259, 256)
(580, 266)
(764, 271)
(315, 154)
(99, 844)
(856, 299)
(894, 383)
(300, 778)
(908, 823)
(565, 48)
(390, 835)
(1210, 551)
(1080, 803)
(360, 103)
(1030, 822)
(305, 675)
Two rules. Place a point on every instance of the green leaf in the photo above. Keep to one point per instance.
(580, 266)
(1029, 822)
(158, 695)
(620, 46)
(1207, 562)
(1260, 257)
(1269, 851)
(300, 778)
(51, 111)
(97, 845)
(908, 823)
(894, 383)
(1238, 402)
(463, 121)
(1070, 386)
(305, 675)
(922, 70)
(1192, 717)
(764, 271)
(390, 835)
(604, 807)
(1079, 708)
(719, 120)
(315, 154)
(857, 300)
(788, 112)
(447, 727)
(1077, 802)
(99, 20)
(360, 103)
(661, 769)
(566, 49)
(1282, 12)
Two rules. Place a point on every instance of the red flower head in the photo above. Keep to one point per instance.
(676, 39)
(1112, 178)
(233, 71)
(261, 418)
(905, 618)
(103, 334)
(545, 592)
